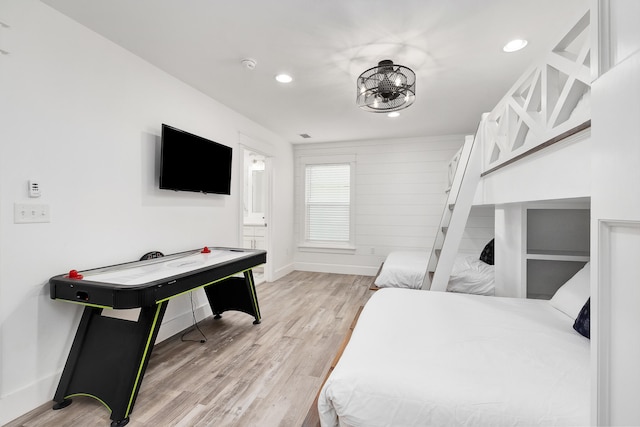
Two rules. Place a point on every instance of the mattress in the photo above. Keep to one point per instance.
(406, 269)
(419, 358)
(403, 269)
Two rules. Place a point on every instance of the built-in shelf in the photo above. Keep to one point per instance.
(557, 248)
(531, 295)
(558, 255)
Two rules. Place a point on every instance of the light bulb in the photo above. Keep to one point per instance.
(284, 78)
(514, 45)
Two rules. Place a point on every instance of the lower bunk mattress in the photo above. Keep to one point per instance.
(406, 269)
(420, 358)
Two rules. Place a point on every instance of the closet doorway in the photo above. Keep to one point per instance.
(255, 200)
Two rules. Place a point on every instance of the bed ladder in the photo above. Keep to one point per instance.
(455, 214)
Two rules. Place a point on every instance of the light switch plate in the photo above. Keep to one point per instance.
(26, 213)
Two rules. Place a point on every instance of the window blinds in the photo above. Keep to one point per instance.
(327, 202)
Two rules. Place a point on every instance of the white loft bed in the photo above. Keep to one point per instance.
(420, 358)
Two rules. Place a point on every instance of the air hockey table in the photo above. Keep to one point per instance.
(109, 355)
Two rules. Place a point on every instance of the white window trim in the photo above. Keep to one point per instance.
(327, 247)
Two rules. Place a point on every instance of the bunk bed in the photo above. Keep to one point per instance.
(419, 358)
(471, 273)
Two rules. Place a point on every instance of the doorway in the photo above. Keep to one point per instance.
(255, 200)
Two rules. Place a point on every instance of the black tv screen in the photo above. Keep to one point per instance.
(192, 163)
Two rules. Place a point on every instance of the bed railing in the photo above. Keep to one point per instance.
(550, 100)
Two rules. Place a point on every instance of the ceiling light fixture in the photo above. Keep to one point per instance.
(284, 78)
(514, 45)
(393, 114)
(386, 87)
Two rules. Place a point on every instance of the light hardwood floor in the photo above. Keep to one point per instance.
(243, 375)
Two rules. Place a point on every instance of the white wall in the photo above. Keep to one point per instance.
(624, 37)
(479, 229)
(83, 116)
(615, 220)
(400, 194)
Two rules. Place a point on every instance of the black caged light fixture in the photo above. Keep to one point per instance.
(386, 87)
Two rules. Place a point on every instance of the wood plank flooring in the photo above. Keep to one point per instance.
(243, 375)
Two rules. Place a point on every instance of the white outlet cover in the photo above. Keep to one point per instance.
(27, 213)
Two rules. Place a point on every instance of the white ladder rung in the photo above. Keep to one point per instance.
(455, 215)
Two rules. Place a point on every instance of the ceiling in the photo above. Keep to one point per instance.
(454, 47)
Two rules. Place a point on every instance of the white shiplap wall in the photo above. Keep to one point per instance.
(479, 229)
(400, 195)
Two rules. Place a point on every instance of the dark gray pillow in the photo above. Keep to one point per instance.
(487, 253)
(583, 321)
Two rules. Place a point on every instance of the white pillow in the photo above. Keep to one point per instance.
(571, 296)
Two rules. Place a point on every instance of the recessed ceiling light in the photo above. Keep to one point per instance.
(514, 45)
(393, 114)
(284, 78)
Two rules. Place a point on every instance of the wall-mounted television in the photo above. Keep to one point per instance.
(192, 163)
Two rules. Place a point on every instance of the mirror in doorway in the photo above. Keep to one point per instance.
(255, 188)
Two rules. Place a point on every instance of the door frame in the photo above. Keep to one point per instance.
(249, 144)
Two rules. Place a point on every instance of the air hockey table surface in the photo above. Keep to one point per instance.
(144, 283)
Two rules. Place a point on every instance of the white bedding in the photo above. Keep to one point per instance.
(472, 276)
(403, 269)
(458, 359)
(406, 269)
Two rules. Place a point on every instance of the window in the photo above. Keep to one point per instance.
(328, 210)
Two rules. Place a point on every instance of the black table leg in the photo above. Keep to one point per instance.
(234, 293)
(108, 359)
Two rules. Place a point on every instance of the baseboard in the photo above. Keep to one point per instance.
(359, 270)
(19, 402)
(283, 271)
(181, 322)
